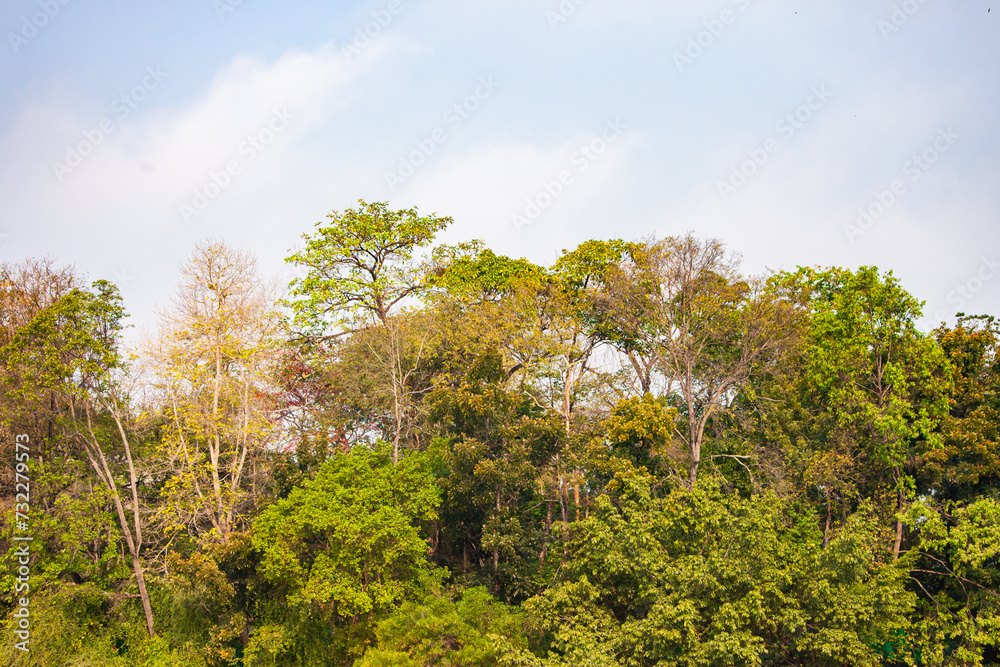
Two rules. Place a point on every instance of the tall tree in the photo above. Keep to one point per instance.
(580, 287)
(711, 328)
(527, 324)
(70, 346)
(968, 463)
(362, 268)
(881, 382)
(211, 364)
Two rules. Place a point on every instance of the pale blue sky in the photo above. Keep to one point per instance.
(664, 121)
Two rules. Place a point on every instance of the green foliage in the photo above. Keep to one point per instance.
(486, 276)
(497, 442)
(592, 261)
(360, 265)
(886, 379)
(472, 630)
(633, 457)
(344, 549)
(272, 646)
(704, 578)
(91, 631)
(75, 336)
(869, 395)
(956, 568)
(641, 428)
(201, 607)
(968, 463)
(75, 543)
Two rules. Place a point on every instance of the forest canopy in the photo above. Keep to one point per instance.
(423, 454)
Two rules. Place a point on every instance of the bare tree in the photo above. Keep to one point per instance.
(683, 304)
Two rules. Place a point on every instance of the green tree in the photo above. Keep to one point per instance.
(69, 349)
(702, 577)
(955, 566)
(498, 444)
(968, 463)
(494, 304)
(471, 630)
(878, 384)
(342, 551)
(362, 268)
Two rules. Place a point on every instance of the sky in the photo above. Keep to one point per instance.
(822, 133)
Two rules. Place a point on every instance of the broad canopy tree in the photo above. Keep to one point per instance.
(362, 269)
(345, 548)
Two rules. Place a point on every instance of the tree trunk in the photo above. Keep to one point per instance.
(899, 527)
(826, 528)
(133, 548)
(104, 474)
(694, 441)
(140, 579)
(564, 501)
(548, 533)
(576, 502)
(215, 449)
(567, 394)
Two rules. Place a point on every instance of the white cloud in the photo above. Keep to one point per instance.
(485, 190)
(116, 215)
